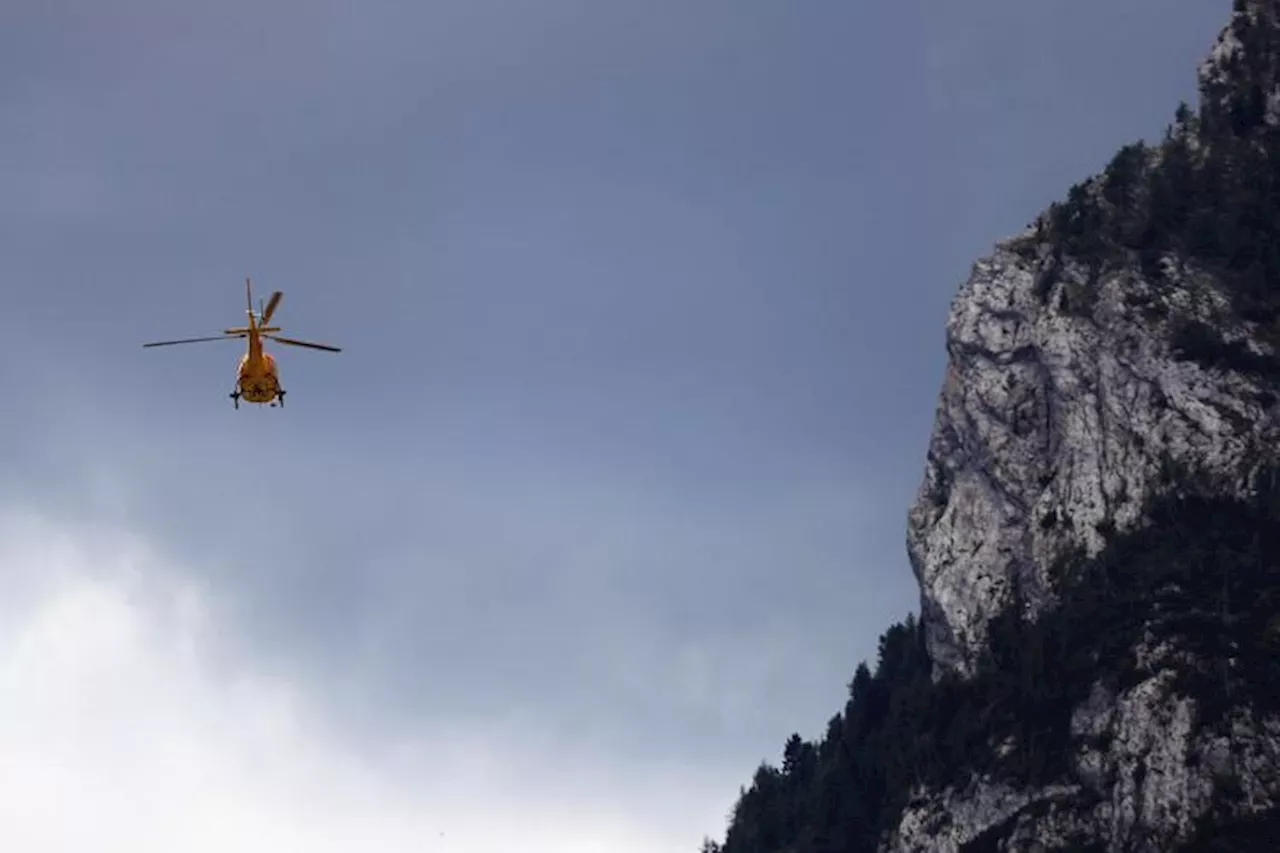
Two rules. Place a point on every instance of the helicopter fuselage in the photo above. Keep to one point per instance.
(257, 378)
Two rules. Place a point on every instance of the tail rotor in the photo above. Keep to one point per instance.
(270, 309)
(265, 311)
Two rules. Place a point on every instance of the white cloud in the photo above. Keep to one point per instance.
(126, 726)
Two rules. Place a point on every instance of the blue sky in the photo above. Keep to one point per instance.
(642, 308)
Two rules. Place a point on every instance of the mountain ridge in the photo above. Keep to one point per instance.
(1092, 664)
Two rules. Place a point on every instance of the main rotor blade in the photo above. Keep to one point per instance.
(193, 340)
(265, 319)
(296, 343)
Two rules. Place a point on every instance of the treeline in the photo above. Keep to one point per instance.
(1202, 574)
(1209, 192)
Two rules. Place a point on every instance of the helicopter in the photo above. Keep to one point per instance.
(257, 378)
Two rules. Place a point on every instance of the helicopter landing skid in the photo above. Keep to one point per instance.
(279, 401)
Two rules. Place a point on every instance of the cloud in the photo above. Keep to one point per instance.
(127, 724)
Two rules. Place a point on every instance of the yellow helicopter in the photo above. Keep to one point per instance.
(258, 378)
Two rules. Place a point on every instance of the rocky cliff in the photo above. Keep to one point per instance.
(1097, 537)
(1111, 343)
(1054, 425)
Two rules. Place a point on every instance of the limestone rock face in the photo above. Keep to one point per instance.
(1066, 398)
(1053, 426)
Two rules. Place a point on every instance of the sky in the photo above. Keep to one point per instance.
(642, 310)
